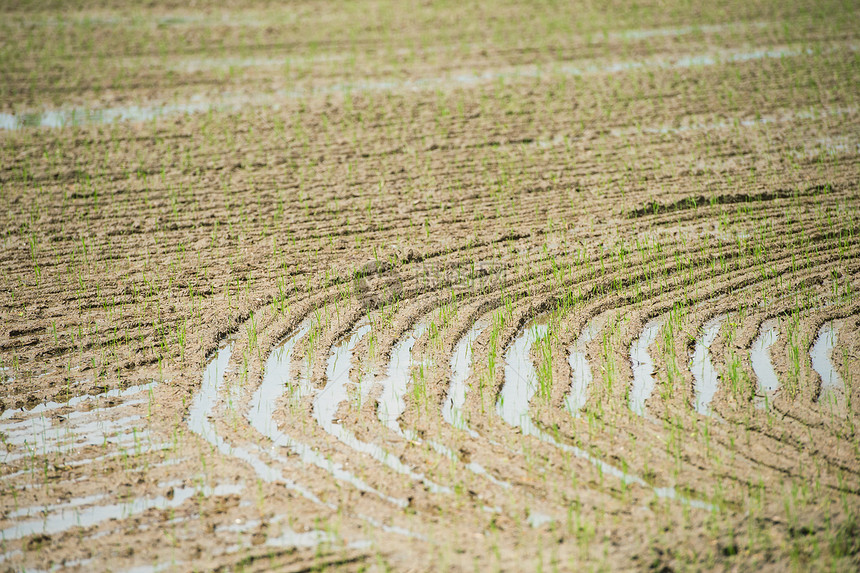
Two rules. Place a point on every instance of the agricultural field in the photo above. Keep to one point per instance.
(429, 286)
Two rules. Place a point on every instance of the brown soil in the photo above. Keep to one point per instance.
(588, 162)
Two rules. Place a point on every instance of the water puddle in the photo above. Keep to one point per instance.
(265, 399)
(461, 362)
(783, 117)
(157, 568)
(74, 402)
(57, 118)
(40, 436)
(53, 507)
(644, 34)
(643, 368)
(335, 392)
(579, 368)
(827, 146)
(537, 519)
(521, 384)
(706, 376)
(521, 381)
(286, 537)
(304, 539)
(73, 516)
(391, 403)
(820, 354)
(761, 361)
(203, 406)
(191, 65)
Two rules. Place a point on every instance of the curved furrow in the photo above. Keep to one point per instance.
(521, 384)
(203, 407)
(327, 402)
(266, 398)
(461, 362)
(391, 403)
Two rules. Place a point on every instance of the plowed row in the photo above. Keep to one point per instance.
(492, 305)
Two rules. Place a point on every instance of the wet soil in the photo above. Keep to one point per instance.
(513, 288)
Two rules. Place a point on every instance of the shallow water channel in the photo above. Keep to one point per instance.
(762, 362)
(820, 353)
(643, 368)
(706, 376)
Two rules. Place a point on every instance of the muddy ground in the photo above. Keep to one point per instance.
(451, 287)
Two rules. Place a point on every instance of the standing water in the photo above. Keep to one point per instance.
(707, 378)
(643, 367)
(762, 363)
(461, 360)
(821, 352)
(580, 370)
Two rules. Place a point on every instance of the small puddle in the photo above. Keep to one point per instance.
(579, 368)
(59, 118)
(68, 517)
(203, 406)
(820, 354)
(329, 399)
(537, 519)
(266, 397)
(706, 376)
(762, 364)
(513, 407)
(643, 368)
(461, 362)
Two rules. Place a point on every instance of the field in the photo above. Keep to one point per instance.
(430, 286)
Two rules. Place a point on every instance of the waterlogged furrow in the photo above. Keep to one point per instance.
(203, 406)
(74, 516)
(762, 364)
(461, 362)
(521, 384)
(115, 393)
(580, 371)
(328, 401)
(706, 376)
(820, 354)
(391, 404)
(39, 437)
(266, 398)
(643, 368)
(54, 507)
